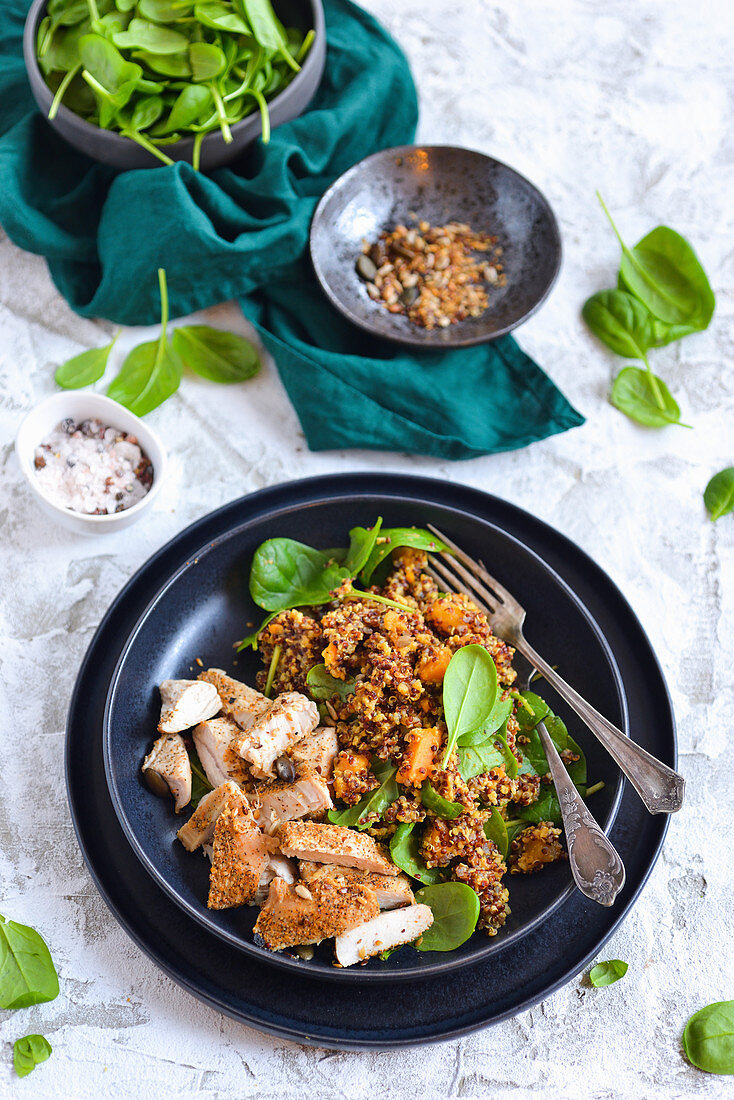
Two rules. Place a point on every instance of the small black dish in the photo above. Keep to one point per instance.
(203, 606)
(438, 183)
(111, 148)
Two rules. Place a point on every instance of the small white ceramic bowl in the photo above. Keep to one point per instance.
(82, 406)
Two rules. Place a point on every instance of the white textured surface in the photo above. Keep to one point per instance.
(627, 97)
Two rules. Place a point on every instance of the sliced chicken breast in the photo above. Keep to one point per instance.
(287, 720)
(199, 829)
(388, 930)
(238, 701)
(277, 867)
(239, 857)
(277, 802)
(184, 703)
(318, 843)
(317, 751)
(390, 892)
(167, 769)
(295, 915)
(213, 742)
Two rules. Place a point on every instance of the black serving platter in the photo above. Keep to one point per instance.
(438, 183)
(205, 605)
(417, 1011)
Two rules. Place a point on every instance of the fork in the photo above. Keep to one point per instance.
(660, 788)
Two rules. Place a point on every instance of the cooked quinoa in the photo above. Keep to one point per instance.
(396, 660)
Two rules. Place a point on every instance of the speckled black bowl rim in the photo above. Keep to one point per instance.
(454, 337)
(482, 995)
(437, 963)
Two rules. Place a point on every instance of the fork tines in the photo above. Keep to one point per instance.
(497, 592)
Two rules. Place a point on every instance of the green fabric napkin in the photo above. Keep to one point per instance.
(242, 233)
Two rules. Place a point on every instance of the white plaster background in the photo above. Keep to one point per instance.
(633, 98)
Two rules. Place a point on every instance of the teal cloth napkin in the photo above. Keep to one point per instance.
(242, 233)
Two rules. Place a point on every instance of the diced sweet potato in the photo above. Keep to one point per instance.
(417, 762)
(446, 614)
(432, 669)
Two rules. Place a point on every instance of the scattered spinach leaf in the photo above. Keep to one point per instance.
(286, 574)
(492, 752)
(455, 909)
(322, 685)
(85, 368)
(439, 805)
(29, 1052)
(151, 372)
(375, 802)
(200, 785)
(405, 855)
(27, 973)
(495, 830)
(393, 538)
(469, 693)
(361, 543)
(719, 494)
(607, 973)
(708, 1038)
(621, 322)
(535, 761)
(250, 642)
(643, 397)
(214, 354)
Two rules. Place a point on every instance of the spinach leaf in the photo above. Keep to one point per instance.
(85, 368)
(162, 11)
(621, 322)
(286, 573)
(498, 717)
(151, 372)
(28, 1052)
(493, 752)
(175, 65)
(439, 805)
(663, 334)
(404, 854)
(192, 102)
(361, 543)
(393, 538)
(112, 79)
(663, 271)
(250, 642)
(547, 807)
(200, 785)
(708, 1038)
(207, 61)
(375, 802)
(643, 397)
(719, 494)
(469, 693)
(455, 909)
(221, 17)
(27, 973)
(607, 973)
(495, 830)
(531, 710)
(322, 685)
(142, 35)
(214, 354)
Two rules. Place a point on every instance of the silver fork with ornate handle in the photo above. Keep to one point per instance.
(660, 788)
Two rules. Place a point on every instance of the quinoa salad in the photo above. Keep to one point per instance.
(337, 793)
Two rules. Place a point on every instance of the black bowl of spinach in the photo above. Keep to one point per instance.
(140, 83)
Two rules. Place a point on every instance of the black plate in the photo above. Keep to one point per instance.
(438, 183)
(206, 605)
(416, 1011)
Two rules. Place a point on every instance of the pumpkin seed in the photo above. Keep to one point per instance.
(366, 269)
(409, 295)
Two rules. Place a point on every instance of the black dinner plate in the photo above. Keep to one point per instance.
(300, 1007)
(205, 605)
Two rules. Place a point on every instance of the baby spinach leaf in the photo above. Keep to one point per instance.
(151, 372)
(495, 830)
(164, 11)
(663, 333)
(214, 354)
(719, 494)
(143, 35)
(531, 710)
(193, 101)
(250, 642)
(393, 538)
(493, 752)
(708, 1038)
(207, 61)
(439, 805)
(643, 397)
(29, 1052)
(469, 692)
(607, 973)
(146, 112)
(27, 973)
(361, 544)
(621, 322)
(498, 717)
(176, 65)
(85, 368)
(375, 802)
(200, 785)
(547, 807)
(455, 909)
(322, 685)
(404, 854)
(221, 17)
(112, 79)
(286, 573)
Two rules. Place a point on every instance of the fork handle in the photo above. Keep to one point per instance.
(593, 859)
(660, 788)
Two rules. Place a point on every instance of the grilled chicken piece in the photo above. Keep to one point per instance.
(167, 769)
(333, 844)
(238, 701)
(239, 857)
(391, 892)
(295, 915)
(213, 741)
(389, 929)
(317, 751)
(290, 717)
(186, 702)
(281, 801)
(199, 829)
(277, 867)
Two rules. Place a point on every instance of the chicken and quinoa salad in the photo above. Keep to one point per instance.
(384, 774)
